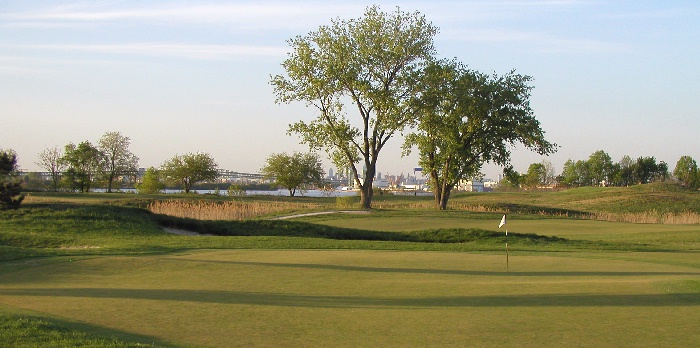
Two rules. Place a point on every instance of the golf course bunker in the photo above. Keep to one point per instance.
(370, 298)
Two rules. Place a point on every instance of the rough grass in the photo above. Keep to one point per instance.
(32, 331)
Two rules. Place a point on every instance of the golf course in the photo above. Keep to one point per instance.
(588, 267)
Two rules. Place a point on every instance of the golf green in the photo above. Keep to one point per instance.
(370, 298)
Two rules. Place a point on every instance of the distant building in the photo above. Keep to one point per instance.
(470, 186)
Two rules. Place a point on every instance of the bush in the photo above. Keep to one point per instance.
(10, 183)
(344, 202)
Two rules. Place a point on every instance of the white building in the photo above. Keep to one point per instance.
(470, 186)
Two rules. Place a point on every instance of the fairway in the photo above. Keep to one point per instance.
(369, 298)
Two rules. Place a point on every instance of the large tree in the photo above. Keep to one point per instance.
(10, 184)
(293, 171)
(190, 169)
(50, 160)
(371, 63)
(85, 162)
(467, 119)
(118, 159)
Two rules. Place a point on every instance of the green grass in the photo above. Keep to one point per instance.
(32, 331)
(98, 270)
(657, 197)
(360, 298)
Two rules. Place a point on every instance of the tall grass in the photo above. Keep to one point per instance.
(650, 217)
(230, 210)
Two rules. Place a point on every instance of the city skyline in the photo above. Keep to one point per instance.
(179, 77)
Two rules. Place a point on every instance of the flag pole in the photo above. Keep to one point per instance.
(503, 223)
(507, 270)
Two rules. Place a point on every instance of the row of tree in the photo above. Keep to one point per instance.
(79, 167)
(600, 170)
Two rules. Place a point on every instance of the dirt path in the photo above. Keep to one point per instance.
(322, 213)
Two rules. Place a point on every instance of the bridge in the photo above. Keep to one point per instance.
(223, 175)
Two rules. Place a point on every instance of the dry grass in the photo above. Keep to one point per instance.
(650, 217)
(232, 210)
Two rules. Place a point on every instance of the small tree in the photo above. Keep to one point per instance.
(117, 156)
(511, 178)
(150, 184)
(190, 169)
(50, 160)
(84, 163)
(686, 172)
(601, 166)
(293, 171)
(10, 184)
(535, 176)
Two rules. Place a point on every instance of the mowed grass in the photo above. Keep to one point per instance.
(660, 236)
(98, 270)
(367, 298)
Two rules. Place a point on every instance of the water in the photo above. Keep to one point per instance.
(281, 192)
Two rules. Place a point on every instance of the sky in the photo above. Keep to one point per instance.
(193, 76)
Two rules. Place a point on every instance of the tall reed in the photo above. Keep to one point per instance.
(231, 210)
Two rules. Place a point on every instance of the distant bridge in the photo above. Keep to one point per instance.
(222, 174)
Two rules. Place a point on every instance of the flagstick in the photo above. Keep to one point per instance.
(507, 270)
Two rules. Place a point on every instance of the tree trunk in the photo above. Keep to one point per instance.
(445, 196)
(366, 191)
(437, 188)
(109, 185)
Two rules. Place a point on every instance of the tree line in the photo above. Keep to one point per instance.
(600, 170)
(80, 167)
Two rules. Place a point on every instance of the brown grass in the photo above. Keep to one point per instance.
(650, 217)
(231, 210)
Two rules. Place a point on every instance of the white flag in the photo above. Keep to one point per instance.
(503, 222)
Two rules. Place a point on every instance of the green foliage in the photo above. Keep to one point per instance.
(10, 184)
(346, 202)
(84, 162)
(294, 171)
(686, 171)
(150, 183)
(236, 190)
(371, 61)
(30, 331)
(468, 118)
(190, 169)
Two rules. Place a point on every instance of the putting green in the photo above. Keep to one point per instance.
(369, 298)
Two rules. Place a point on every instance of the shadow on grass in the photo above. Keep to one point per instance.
(447, 271)
(37, 331)
(326, 301)
(287, 228)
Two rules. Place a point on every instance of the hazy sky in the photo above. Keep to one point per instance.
(188, 76)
